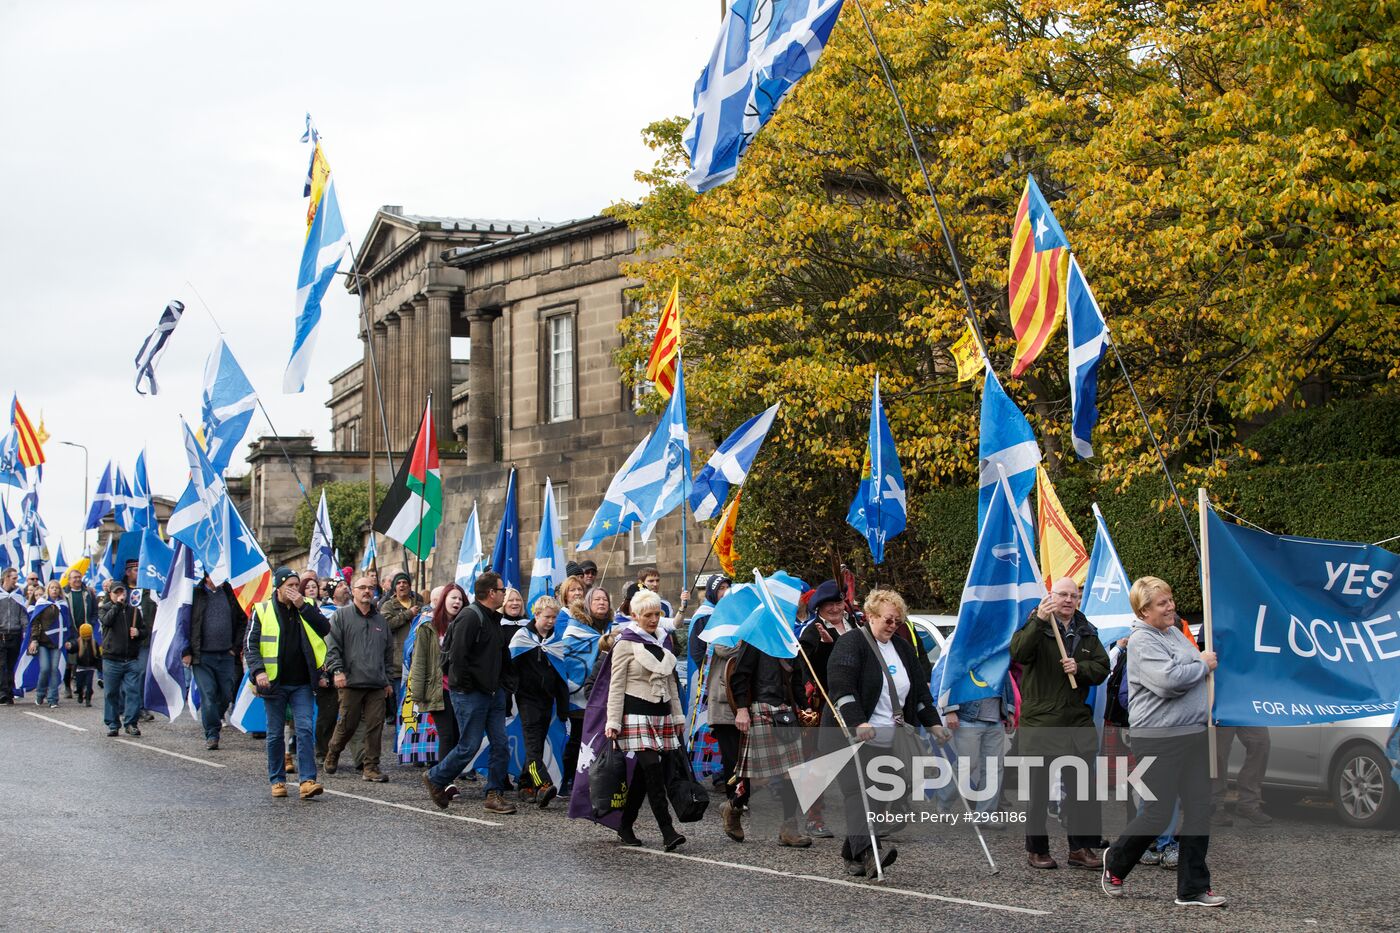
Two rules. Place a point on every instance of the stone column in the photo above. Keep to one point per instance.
(377, 421)
(436, 358)
(408, 369)
(389, 370)
(422, 328)
(481, 404)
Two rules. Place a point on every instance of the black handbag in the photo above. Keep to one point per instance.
(687, 795)
(607, 781)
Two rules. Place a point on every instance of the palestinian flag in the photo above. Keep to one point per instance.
(412, 508)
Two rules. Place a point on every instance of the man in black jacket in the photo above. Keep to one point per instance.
(217, 624)
(284, 651)
(14, 614)
(480, 682)
(361, 659)
(125, 631)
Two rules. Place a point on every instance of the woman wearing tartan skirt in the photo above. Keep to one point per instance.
(762, 689)
(644, 715)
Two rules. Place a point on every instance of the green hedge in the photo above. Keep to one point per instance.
(348, 504)
(1363, 429)
(1355, 501)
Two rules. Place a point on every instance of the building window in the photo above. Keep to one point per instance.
(561, 504)
(639, 551)
(560, 330)
(641, 388)
(568, 251)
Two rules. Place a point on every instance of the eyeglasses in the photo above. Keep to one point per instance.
(498, 589)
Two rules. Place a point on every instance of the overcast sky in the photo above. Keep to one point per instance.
(151, 145)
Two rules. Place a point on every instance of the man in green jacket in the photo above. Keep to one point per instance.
(1057, 722)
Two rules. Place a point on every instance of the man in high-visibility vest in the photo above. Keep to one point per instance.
(284, 651)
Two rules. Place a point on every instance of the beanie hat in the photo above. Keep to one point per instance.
(282, 575)
(85, 630)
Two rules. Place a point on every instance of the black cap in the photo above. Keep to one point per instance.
(826, 592)
(118, 585)
(587, 565)
(573, 569)
(281, 575)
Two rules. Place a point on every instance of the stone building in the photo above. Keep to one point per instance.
(512, 327)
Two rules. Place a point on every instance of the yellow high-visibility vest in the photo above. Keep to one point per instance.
(270, 639)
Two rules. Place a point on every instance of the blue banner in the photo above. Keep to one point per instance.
(1307, 631)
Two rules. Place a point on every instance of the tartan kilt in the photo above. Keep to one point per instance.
(641, 733)
(417, 745)
(769, 751)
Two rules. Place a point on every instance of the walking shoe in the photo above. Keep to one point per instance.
(1204, 899)
(330, 764)
(1255, 815)
(527, 794)
(498, 804)
(1112, 885)
(1084, 858)
(818, 830)
(147, 716)
(88, 701)
(373, 775)
(1171, 855)
(854, 866)
(566, 789)
(212, 745)
(452, 791)
(732, 822)
(279, 789)
(626, 837)
(133, 729)
(289, 762)
(112, 733)
(1041, 860)
(55, 706)
(257, 735)
(790, 837)
(1150, 857)
(545, 794)
(38, 701)
(672, 840)
(886, 860)
(310, 789)
(439, 797)
(67, 693)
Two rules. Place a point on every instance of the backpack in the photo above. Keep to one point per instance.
(1114, 712)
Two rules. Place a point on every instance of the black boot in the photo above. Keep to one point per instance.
(660, 807)
(630, 808)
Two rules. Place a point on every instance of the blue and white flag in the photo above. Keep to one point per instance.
(505, 556)
(371, 552)
(248, 713)
(11, 469)
(523, 641)
(1307, 631)
(156, 557)
(548, 570)
(170, 637)
(762, 614)
(142, 512)
(1006, 441)
(59, 630)
(123, 510)
(653, 479)
(60, 562)
(11, 551)
(470, 556)
(321, 556)
(327, 242)
(1106, 587)
(729, 465)
(572, 650)
(1003, 587)
(103, 500)
(226, 406)
(154, 346)
(100, 571)
(200, 519)
(1088, 342)
(764, 48)
(880, 508)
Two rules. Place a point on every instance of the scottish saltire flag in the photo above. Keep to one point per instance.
(11, 470)
(764, 48)
(1003, 587)
(556, 738)
(59, 630)
(523, 641)
(652, 480)
(548, 570)
(505, 556)
(121, 500)
(248, 713)
(226, 405)
(200, 518)
(60, 563)
(1088, 342)
(1006, 441)
(1106, 586)
(880, 508)
(572, 650)
(99, 572)
(156, 558)
(248, 570)
(729, 465)
(326, 244)
(470, 557)
(154, 346)
(762, 614)
(170, 636)
(142, 512)
(321, 555)
(103, 500)
(1039, 270)
(11, 554)
(371, 552)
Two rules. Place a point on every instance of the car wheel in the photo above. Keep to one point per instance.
(1361, 790)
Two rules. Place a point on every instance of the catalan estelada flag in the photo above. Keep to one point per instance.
(724, 535)
(31, 449)
(666, 348)
(1062, 551)
(1039, 274)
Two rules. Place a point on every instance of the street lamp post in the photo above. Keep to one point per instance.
(85, 485)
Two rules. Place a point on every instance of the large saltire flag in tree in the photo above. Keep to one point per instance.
(412, 508)
(1039, 274)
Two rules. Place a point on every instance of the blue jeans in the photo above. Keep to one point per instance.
(214, 676)
(49, 675)
(302, 700)
(979, 743)
(477, 714)
(121, 692)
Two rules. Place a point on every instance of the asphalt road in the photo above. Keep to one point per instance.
(114, 834)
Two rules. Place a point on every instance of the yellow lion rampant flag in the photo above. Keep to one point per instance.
(724, 535)
(1062, 551)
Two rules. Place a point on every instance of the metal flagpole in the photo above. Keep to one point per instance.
(968, 808)
(1203, 503)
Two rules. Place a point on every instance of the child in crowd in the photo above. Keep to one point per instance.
(88, 660)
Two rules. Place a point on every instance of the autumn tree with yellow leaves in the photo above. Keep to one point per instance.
(1225, 171)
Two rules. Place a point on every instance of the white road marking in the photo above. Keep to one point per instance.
(56, 722)
(152, 748)
(404, 806)
(842, 882)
